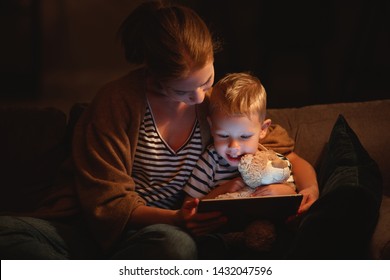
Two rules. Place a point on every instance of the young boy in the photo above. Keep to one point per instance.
(237, 121)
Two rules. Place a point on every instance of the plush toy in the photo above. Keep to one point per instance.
(263, 168)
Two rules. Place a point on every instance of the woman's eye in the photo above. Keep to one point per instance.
(181, 93)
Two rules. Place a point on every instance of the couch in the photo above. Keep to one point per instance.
(35, 149)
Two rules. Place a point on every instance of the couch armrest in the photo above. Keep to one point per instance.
(32, 147)
(380, 243)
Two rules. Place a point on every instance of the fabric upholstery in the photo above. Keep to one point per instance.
(351, 193)
(32, 149)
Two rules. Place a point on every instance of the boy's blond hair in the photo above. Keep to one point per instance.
(239, 94)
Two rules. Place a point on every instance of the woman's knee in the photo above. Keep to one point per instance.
(22, 227)
(158, 241)
(176, 243)
(29, 238)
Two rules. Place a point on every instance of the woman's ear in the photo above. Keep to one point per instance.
(210, 122)
(264, 128)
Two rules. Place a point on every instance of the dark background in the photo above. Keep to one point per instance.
(305, 52)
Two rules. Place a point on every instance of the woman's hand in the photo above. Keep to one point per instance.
(306, 180)
(310, 195)
(199, 223)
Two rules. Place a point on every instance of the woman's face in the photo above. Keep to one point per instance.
(192, 89)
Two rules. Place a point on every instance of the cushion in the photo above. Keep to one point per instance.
(339, 225)
(32, 149)
(380, 243)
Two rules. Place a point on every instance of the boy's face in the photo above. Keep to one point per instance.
(235, 136)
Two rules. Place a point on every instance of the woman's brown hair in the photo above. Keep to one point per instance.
(169, 39)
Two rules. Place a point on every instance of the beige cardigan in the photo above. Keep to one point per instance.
(104, 144)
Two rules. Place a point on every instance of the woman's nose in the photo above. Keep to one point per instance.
(198, 96)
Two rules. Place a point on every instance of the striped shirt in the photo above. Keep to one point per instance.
(213, 170)
(159, 172)
(210, 171)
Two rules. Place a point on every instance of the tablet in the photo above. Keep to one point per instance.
(267, 207)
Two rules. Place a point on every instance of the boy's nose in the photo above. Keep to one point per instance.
(233, 144)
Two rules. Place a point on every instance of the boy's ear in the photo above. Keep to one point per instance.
(266, 124)
(264, 128)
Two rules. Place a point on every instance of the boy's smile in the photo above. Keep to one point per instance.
(235, 136)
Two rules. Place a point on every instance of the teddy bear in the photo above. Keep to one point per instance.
(262, 168)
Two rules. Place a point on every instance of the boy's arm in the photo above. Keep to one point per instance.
(230, 186)
(202, 182)
(201, 179)
(305, 179)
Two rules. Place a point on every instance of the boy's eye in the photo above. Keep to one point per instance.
(246, 136)
(222, 136)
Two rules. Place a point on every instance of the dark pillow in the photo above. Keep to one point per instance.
(32, 149)
(339, 225)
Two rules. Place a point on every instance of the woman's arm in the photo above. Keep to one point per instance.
(145, 215)
(305, 179)
(186, 217)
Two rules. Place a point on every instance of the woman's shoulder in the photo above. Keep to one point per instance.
(121, 100)
(128, 87)
(277, 139)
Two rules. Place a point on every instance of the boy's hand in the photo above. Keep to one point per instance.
(199, 223)
(274, 189)
(233, 185)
